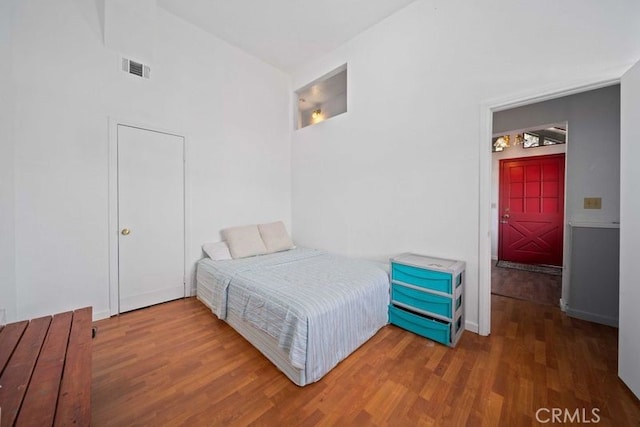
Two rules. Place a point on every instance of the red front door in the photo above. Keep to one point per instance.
(531, 214)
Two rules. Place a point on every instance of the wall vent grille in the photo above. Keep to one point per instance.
(135, 68)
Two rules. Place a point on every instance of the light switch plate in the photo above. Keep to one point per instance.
(593, 202)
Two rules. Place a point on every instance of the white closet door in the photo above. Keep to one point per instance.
(150, 217)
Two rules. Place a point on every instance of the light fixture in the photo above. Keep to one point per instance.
(316, 114)
(519, 139)
(501, 143)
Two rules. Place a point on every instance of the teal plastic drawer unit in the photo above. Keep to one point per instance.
(428, 279)
(424, 301)
(425, 326)
(427, 296)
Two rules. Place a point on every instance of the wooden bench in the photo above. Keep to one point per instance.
(45, 371)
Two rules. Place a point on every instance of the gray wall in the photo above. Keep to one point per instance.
(595, 274)
(8, 297)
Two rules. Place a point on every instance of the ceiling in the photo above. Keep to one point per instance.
(284, 33)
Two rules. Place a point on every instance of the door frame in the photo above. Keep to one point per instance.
(113, 230)
(487, 108)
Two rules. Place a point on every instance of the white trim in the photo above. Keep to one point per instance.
(156, 296)
(535, 96)
(592, 317)
(586, 224)
(99, 315)
(487, 108)
(471, 326)
(189, 276)
(533, 128)
(484, 221)
(113, 217)
(113, 123)
(563, 305)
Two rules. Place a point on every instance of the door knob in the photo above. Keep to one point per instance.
(125, 232)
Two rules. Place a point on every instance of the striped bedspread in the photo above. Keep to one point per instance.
(320, 307)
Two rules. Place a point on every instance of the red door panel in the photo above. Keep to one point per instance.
(532, 210)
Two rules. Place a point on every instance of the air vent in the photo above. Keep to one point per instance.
(135, 68)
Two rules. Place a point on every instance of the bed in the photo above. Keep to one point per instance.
(304, 309)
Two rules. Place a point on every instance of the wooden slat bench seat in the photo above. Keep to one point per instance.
(45, 371)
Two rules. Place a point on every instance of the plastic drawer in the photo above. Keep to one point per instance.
(427, 279)
(421, 300)
(425, 326)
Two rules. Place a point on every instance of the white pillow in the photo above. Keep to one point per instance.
(244, 241)
(217, 251)
(275, 237)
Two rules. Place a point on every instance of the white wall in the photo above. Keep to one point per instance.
(399, 172)
(8, 297)
(629, 334)
(233, 109)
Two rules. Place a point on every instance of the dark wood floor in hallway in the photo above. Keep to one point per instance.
(526, 285)
(177, 364)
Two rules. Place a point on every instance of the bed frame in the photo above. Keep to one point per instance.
(265, 343)
(304, 371)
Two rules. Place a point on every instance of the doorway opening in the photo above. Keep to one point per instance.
(592, 176)
(528, 213)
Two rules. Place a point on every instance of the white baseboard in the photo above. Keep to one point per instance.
(563, 305)
(471, 326)
(150, 298)
(592, 317)
(99, 315)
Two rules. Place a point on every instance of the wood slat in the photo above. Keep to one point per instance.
(74, 402)
(17, 374)
(39, 405)
(9, 337)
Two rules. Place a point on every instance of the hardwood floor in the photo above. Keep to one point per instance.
(526, 285)
(177, 364)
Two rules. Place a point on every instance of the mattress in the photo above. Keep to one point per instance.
(310, 308)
